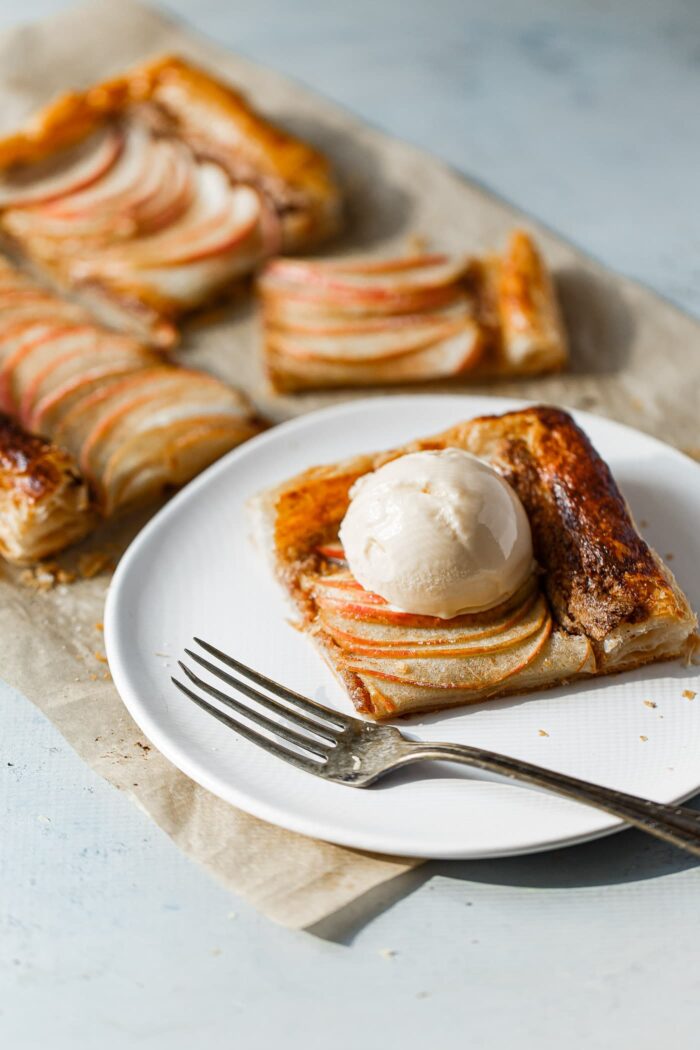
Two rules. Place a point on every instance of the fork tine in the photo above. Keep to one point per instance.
(265, 701)
(279, 750)
(311, 707)
(290, 735)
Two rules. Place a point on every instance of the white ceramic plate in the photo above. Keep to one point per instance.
(194, 570)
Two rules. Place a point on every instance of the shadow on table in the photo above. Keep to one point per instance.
(630, 856)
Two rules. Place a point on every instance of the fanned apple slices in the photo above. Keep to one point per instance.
(135, 423)
(397, 656)
(151, 193)
(364, 322)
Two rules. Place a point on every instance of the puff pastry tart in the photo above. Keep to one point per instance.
(367, 322)
(152, 192)
(45, 503)
(135, 423)
(598, 601)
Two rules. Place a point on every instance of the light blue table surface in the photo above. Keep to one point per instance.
(586, 115)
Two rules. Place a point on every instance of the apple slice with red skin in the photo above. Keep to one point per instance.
(351, 633)
(359, 301)
(220, 218)
(366, 285)
(292, 269)
(51, 408)
(353, 324)
(354, 603)
(151, 186)
(110, 355)
(355, 348)
(71, 170)
(155, 460)
(188, 284)
(478, 671)
(18, 337)
(332, 551)
(73, 427)
(30, 312)
(562, 658)
(18, 370)
(479, 640)
(186, 394)
(447, 357)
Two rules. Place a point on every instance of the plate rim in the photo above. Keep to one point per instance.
(260, 809)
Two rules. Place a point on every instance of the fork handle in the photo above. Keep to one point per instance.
(675, 824)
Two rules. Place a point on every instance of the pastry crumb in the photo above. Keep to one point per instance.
(93, 563)
(388, 953)
(669, 556)
(643, 523)
(689, 694)
(99, 626)
(543, 732)
(644, 738)
(100, 656)
(649, 703)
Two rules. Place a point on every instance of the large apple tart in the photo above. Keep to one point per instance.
(152, 192)
(597, 600)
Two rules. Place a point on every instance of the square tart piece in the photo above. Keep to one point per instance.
(410, 319)
(601, 601)
(153, 192)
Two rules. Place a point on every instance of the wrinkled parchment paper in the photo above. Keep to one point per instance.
(634, 359)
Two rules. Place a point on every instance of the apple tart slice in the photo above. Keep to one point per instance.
(152, 192)
(134, 422)
(598, 601)
(368, 322)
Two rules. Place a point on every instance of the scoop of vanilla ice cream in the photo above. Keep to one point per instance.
(437, 534)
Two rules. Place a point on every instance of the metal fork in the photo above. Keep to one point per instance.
(346, 750)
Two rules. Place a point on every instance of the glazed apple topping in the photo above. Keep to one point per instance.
(135, 212)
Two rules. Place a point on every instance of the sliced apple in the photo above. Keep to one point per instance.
(154, 460)
(72, 428)
(278, 315)
(562, 658)
(180, 396)
(332, 551)
(66, 372)
(51, 408)
(19, 369)
(150, 186)
(444, 358)
(220, 218)
(351, 633)
(71, 170)
(477, 671)
(312, 300)
(472, 641)
(367, 283)
(292, 269)
(373, 346)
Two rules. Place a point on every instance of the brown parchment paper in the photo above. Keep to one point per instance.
(634, 358)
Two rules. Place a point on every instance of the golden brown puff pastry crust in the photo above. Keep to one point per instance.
(44, 500)
(613, 604)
